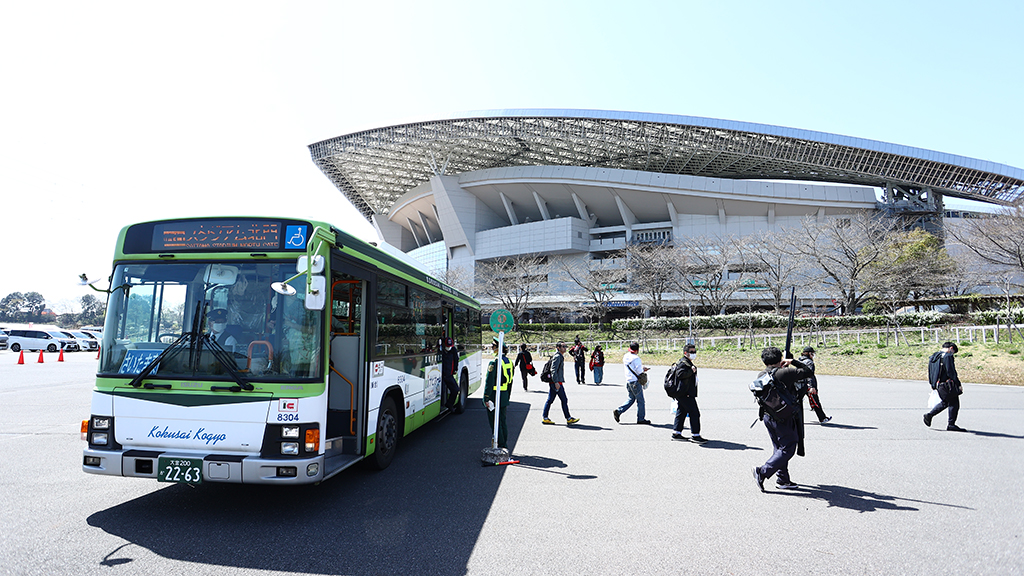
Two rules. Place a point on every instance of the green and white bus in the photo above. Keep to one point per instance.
(267, 351)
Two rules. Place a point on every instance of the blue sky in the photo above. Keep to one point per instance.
(119, 112)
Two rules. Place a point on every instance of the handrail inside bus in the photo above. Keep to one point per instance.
(351, 402)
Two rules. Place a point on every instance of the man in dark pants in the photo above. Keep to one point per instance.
(500, 367)
(449, 367)
(556, 388)
(949, 388)
(784, 434)
(579, 355)
(811, 385)
(687, 403)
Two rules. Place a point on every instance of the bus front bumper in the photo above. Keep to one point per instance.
(230, 468)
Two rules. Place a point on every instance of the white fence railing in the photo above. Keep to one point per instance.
(912, 335)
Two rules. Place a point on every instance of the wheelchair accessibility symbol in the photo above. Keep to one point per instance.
(295, 238)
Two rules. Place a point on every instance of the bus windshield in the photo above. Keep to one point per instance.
(222, 318)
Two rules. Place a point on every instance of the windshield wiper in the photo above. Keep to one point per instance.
(224, 358)
(190, 337)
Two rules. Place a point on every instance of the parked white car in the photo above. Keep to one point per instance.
(85, 342)
(49, 340)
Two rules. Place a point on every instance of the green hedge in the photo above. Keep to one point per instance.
(767, 321)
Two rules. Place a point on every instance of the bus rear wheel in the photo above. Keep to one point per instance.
(386, 441)
(460, 406)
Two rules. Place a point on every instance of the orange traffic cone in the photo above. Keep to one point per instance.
(61, 357)
(40, 356)
(21, 357)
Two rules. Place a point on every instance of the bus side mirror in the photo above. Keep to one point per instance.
(316, 295)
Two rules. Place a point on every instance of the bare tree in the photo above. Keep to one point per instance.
(771, 269)
(459, 278)
(996, 239)
(653, 272)
(841, 249)
(712, 270)
(512, 282)
(598, 280)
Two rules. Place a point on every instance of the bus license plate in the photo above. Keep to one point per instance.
(184, 470)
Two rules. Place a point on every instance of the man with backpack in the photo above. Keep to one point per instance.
(554, 375)
(778, 400)
(943, 378)
(681, 384)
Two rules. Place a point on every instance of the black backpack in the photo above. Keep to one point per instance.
(770, 396)
(935, 369)
(545, 373)
(679, 381)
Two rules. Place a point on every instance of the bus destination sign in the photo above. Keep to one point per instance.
(217, 235)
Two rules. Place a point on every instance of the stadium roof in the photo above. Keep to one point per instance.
(373, 168)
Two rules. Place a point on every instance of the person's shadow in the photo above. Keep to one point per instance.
(859, 500)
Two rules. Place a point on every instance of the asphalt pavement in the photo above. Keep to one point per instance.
(879, 492)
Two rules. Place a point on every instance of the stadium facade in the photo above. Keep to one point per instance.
(581, 184)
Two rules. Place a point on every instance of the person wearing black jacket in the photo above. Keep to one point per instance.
(784, 434)
(687, 403)
(449, 367)
(811, 386)
(949, 388)
(524, 363)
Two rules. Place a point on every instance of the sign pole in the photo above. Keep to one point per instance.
(501, 322)
(497, 389)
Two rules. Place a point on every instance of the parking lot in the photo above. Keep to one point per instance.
(880, 493)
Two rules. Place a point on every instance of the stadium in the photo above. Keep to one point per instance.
(583, 184)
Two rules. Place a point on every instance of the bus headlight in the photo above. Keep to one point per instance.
(99, 438)
(290, 448)
(289, 431)
(100, 422)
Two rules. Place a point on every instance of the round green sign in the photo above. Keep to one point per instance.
(501, 321)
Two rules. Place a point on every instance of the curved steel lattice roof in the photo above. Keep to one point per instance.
(373, 168)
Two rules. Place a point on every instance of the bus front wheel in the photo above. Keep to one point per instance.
(387, 435)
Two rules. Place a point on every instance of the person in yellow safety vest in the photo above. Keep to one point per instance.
(506, 392)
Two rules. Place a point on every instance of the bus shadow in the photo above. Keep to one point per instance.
(423, 514)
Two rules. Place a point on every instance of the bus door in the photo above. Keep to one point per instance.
(347, 389)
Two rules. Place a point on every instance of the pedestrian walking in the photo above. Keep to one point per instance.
(811, 385)
(597, 364)
(579, 355)
(556, 389)
(524, 362)
(947, 383)
(636, 380)
(784, 434)
(685, 373)
(449, 367)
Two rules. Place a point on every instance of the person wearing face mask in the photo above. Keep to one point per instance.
(686, 402)
(218, 320)
(449, 367)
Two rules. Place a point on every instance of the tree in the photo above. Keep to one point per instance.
(597, 279)
(840, 249)
(772, 271)
(652, 270)
(996, 239)
(511, 282)
(93, 311)
(711, 270)
(11, 306)
(912, 263)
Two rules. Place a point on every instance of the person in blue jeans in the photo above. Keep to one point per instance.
(633, 368)
(556, 388)
(597, 361)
